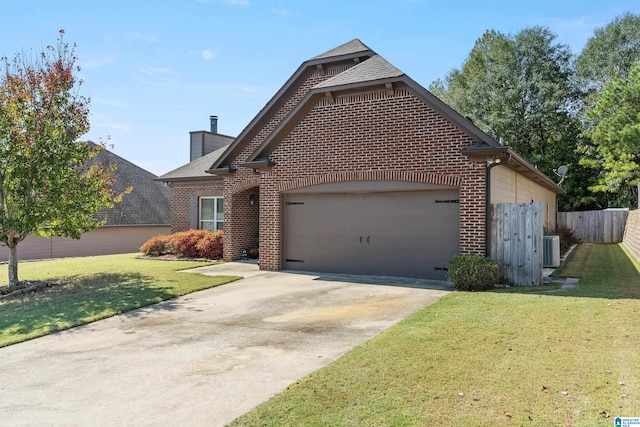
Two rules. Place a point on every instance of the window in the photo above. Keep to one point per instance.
(211, 213)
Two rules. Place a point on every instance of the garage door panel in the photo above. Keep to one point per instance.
(395, 233)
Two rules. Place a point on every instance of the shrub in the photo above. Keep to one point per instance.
(210, 245)
(185, 243)
(156, 246)
(254, 253)
(472, 272)
(567, 237)
(192, 244)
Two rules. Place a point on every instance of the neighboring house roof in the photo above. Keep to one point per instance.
(147, 204)
(195, 170)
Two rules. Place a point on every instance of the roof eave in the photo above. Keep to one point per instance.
(264, 163)
(222, 171)
(509, 158)
(190, 178)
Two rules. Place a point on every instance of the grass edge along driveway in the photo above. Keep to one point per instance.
(95, 288)
(554, 358)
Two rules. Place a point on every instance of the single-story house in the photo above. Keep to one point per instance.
(142, 214)
(353, 167)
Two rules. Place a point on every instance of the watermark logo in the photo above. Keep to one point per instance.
(626, 422)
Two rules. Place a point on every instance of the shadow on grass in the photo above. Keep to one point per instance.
(80, 301)
(604, 271)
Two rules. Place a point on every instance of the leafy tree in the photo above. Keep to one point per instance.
(615, 136)
(610, 52)
(519, 90)
(48, 184)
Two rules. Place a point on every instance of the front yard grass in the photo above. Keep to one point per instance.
(552, 358)
(95, 288)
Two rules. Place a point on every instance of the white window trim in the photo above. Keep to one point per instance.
(214, 221)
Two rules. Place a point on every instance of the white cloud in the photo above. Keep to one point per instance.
(108, 102)
(95, 63)
(282, 11)
(230, 2)
(156, 71)
(207, 54)
(146, 37)
(102, 121)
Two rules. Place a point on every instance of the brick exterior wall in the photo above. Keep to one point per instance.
(370, 135)
(181, 193)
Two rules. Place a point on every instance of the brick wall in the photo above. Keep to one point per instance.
(372, 135)
(181, 193)
(632, 233)
(377, 132)
(244, 178)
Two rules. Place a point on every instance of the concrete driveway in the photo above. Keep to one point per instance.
(205, 358)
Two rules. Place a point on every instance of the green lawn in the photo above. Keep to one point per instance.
(554, 358)
(97, 288)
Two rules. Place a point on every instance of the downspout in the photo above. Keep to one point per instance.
(491, 163)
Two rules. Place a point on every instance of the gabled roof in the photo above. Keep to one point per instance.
(351, 47)
(147, 204)
(195, 170)
(374, 68)
(354, 49)
(373, 71)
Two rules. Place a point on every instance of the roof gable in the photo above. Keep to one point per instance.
(351, 47)
(374, 68)
(354, 50)
(374, 71)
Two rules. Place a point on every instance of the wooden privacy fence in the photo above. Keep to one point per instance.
(516, 242)
(605, 226)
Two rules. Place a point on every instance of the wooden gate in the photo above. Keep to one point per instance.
(516, 242)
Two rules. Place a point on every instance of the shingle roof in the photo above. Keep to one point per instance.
(348, 48)
(374, 68)
(147, 204)
(195, 169)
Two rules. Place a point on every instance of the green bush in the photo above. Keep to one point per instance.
(472, 272)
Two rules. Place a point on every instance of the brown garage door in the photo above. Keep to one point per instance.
(397, 233)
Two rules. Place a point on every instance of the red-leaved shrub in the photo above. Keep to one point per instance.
(185, 243)
(192, 244)
(210, 246)
(156, 246)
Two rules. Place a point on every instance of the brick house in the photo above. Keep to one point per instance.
(354, 167)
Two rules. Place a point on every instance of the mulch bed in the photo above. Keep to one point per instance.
(169, 257)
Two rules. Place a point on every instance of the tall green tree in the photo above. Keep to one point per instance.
(609, 53)
(615, 135)
(48, 184)
(519, 90)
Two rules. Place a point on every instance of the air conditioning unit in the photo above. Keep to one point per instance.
(551, 251)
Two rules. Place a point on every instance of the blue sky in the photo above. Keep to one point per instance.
(157, 69)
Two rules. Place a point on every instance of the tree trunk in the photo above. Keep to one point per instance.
(13, 266)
